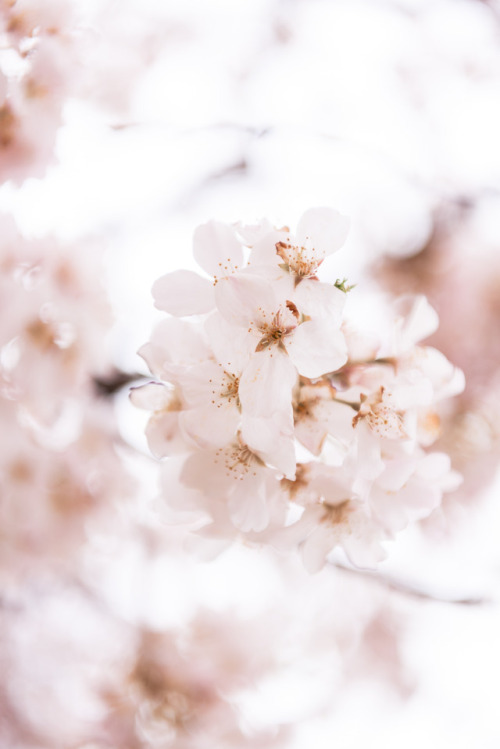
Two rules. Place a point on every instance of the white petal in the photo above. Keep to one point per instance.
(154, 356)
(216, 249)
(204, 471)
(210, 426)
(324, 229)
(264, 250)
(417, 320)
(273, 440)
(266, 383)
(316, 548)
(177, 342)
(317, 299)
(252, 233)
(316, 349)
(248, 506)
(183, 293)
(152, 397)
(174, 493)
(396, 474)
(241, 298)
(229, 347)
(183, 341)
(365, 551)
(164, 435)
(369, 460)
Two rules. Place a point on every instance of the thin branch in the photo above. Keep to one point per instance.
(400, 586)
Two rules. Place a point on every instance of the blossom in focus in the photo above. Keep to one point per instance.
(292, 429)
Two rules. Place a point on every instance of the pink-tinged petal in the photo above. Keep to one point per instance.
(176, 342)
(273, 440)
(154, 356)
(241, 299)
(229, 347)
(369, 460)
(317, 299)
(433, 467)
(316, 548)
(264, 250)
(447, 380)
(248, 506)
(266, 384)
(202, 384)
(151, 397)
(183, 341)
(324, 229)
(204, 471)
(365, 551)
(417, 321)
(216, 249)
(164, 435)
(183, 293)
(175, 494)
(397, 473)
(315, 348)
(252, 233)
(210, 426)
(311, 433)
(414, 501)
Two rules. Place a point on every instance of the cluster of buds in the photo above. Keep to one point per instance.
(281, 423)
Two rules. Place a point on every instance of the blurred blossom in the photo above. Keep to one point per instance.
(460, 271)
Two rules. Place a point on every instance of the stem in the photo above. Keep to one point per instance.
(399, 586)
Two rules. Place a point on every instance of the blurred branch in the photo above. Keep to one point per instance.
(408, 589)
(115, 381)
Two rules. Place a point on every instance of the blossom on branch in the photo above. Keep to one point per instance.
(292, 428)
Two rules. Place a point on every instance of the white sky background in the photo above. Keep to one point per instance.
(249, 108)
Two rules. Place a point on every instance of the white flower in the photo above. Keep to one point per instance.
(320, 232)
(219, 253)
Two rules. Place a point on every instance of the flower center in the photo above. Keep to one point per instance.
(299, 260)
(239, 460)
(281, 325)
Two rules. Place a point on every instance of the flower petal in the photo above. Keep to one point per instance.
(210, 426)
(317, 299)
(183, 293)
(316, 349)
(273, 440)
(228, 346)
(151, 397)
(266, 383)
(164, 435)
(248, 506)
(216, 249)
(324, 229)
(417, 321)
(239, 298)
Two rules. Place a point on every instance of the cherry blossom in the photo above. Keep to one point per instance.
(268, 376)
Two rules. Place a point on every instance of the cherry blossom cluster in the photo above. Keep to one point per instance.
(281, 423)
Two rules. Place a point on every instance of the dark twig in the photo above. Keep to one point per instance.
(115, 381)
